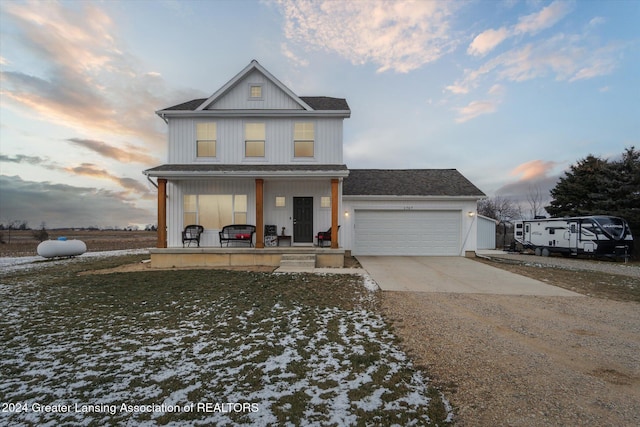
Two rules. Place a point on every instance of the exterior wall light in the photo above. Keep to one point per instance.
(471, 214)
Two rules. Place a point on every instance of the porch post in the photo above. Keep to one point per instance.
(162, 213)
(334, 213)
(259, 213)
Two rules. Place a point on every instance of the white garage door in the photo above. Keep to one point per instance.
(379, 232)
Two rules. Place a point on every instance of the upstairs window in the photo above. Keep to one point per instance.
(206, 139)
(254, 139)
(255, 91)
(303, 139)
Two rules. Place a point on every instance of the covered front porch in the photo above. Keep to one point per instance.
(242, 256)
(287, 204)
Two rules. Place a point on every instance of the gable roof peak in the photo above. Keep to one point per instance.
(253, 65)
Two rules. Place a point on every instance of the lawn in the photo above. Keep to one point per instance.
(201, 347)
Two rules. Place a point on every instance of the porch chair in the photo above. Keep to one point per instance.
(192, 233)
(324, 236)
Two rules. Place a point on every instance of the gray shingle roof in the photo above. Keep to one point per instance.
(408, 182)
(325, 103)
(318, 103)
(187, 106)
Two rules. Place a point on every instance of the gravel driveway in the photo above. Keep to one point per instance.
(527, 360)
(632, 270)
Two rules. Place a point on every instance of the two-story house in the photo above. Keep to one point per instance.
(256, 153)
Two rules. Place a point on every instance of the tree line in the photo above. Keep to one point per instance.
(591, 186)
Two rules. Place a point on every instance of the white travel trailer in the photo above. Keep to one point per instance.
(592, 235)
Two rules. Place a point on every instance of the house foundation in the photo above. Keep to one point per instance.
(235, 257)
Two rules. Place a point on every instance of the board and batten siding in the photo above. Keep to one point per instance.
(175, 212)
(278, 145)
(279, 216)
(283, 216)
(273, 98)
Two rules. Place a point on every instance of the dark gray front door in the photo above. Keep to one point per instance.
(303, 219)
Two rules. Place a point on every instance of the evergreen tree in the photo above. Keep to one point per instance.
(578, 192)
(594, 186)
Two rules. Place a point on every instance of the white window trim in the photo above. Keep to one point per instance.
(255, 98)
(321, 199)
(244, 142)
(215, 158)
(293, 142)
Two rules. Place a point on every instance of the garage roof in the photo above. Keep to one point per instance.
(408, 182)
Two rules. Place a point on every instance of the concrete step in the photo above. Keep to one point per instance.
(298, 261)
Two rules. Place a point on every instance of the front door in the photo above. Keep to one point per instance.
(303, 219)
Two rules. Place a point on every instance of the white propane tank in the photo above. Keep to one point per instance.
(61, 248)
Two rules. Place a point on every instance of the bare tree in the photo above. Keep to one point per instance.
(500, 208)
(536, 202)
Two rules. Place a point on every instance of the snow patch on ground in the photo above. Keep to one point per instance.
(10, 264)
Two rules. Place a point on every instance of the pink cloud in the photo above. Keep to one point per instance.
(88, 83)
(533, 170)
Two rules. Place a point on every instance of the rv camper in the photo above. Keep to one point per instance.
(592, 235)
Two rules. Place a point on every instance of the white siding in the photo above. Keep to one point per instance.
(279, 141)
(177, 189)
(272, 96)
(486, 233)
(281, 217)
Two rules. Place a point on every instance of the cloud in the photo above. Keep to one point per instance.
(479, 108)
(129, 184)
(531, 24)
(475, 109)
(533, 169)
(533, 179)
(563, 57)
(87, 82)
(21, 158)
(546, 18)
(487, 41)
(61, 205)
(131, 153)
(400, 36)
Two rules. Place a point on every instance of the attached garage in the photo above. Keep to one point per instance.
(409, 212)
(410, 232)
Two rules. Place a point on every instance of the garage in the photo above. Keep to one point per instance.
(407, 232)
(409, 212)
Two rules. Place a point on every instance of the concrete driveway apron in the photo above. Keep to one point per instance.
(451, 274)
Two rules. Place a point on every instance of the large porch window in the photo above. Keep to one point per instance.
(214, 211)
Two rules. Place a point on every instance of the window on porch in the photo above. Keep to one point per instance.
(214, 211)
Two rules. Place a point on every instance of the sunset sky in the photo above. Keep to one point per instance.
(510, 92)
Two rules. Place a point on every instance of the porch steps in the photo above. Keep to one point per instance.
(297, 262)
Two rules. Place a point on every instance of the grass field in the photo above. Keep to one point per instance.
(203, 347)
(16, 243)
